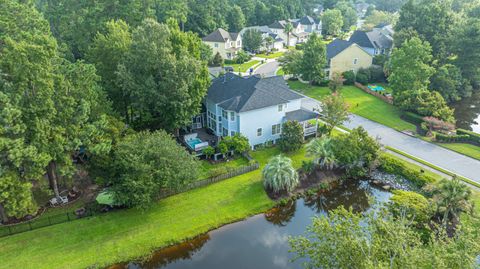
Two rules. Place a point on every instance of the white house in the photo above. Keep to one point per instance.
(265, 31)
(225, 43)
(255, 107)
(278, 28)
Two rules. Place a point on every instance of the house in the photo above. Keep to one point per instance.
(225, 43)
(376, 42)
(344, 56)
(278, 28)
(255, 107)
(311, 25)
(266, 32)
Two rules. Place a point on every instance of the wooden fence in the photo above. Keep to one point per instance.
(6, 230)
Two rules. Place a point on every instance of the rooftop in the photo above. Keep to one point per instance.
(220, 35)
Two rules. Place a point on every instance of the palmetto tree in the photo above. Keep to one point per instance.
(288, 30)
(321, 150)
(452, 198)
(279, 174)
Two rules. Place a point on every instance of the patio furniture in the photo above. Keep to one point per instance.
(58, 201)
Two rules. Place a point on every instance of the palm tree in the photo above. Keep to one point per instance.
(287, 30)
(321, 150)
(452, 198)
(279, 174)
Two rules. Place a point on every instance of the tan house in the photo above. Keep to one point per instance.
(344, 56)
(225, 43)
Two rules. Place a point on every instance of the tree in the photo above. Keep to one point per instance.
(206, 53)
(269, 42)
(291, 138)
(239, 143)
(332, 21)
(349, 77)
(334, 111)
(425, 103)
(15, 197)
(291, 62)
(107, 52)
(389, 5)
(252, 40)
(208, 151)
(146, 164)
(217, 60)
(379, 17)
(236, 19)
(410, 66)
(411, 205)
(314, 59)
(177, 10)
(164, 76)
(343, 239)
(349, 15)
(279, 175)
(467, 51)
(452, 197)
(448, 81)
(336, 83)
(288, 29)
(321, 149)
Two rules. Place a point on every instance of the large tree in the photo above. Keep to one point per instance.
(163, 76)
(332, 21)
(252, 40)
(314, 59)
(146, 164)
(349, 15)
(334, 111)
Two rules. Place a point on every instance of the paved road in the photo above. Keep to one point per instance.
(441, 157)
(268, 69)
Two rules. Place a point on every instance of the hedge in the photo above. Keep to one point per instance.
(474, 137)
(393, 166)
(451, 138)
(413, 118)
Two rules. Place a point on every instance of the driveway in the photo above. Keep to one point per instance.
(268, 69)
(441, 157)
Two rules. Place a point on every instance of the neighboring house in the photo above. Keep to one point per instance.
(225, 43)
(311, 25)
(361, 9)
(255, 107)
(376, 42)
(344, 56)
(265, 32)
(278, 28)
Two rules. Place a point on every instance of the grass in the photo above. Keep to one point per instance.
(206, 166)
(462, 148)
(243, 67)
(280, 72)
(128, 234)
(270, 55)
(361, 103)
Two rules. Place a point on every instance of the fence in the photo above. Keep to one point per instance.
(379, 95)
(44, 221)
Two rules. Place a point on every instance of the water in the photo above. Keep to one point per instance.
(467, 113)
(262, 241)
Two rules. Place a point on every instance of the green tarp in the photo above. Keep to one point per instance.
(106, 198)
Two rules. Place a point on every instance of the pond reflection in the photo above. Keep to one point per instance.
(262, 241)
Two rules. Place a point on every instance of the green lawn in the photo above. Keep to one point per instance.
(271, 55)
(207, 167)
(361, 103)
(129, 234)
(280, 72)
(243, 67)
(465, 149)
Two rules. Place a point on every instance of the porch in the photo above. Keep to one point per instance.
(306, 118)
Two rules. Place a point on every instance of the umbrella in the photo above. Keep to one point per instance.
(106, 198)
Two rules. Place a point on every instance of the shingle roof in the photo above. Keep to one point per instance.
(337, 46)
(235, 93)
(278, 25)
(220, 35)
(300, 115)
(307, 20)
(361, 38)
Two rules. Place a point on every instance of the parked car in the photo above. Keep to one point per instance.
(229, 69)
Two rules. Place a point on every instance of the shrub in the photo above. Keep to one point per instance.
(413, 118)
(362, 79)
(217, 60)
(376, 74)
(279, 174)
(364, 72)
(217, 171)
(439, 137)
(308, 167)
(292, 137)
(242, 57)
(349, 77)
(411, 204)
(473, 137)
(393, 166)
(208, 151)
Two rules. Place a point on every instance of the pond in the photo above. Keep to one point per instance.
(467, 113)
(262, 240)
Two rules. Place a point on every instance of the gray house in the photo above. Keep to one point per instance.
(255, 107)
(378, 41)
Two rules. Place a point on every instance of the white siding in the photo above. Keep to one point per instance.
(263, 118)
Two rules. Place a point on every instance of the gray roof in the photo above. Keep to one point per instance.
(337, 46)
(373, 39)
(264, 29)
(300, 115)
(307, 20)
(220, 35)
(278, 25)
(361, 38)
(235, 93)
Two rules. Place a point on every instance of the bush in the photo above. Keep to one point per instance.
(226, 61)
(218, 171)
(279, 174)
(292, 137)
(349, 77)
(242, 57)
(208, 151)
(308, 167)
(299, 46)
(364, 72)
(411, 204)
(393, 166)
(362, 79)
(413, 118)
(376, 74)
(473, 137)
(439, 137)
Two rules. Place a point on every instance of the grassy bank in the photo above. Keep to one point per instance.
(243, 67)
(129, 234)
(462, 148)
(270, 55)
(361, 103)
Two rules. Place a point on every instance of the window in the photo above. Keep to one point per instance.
(219, 118)
(259, 132)
(220, 127)
(276, 129)
(232, 116)
(355, 61)
(224, 114)
(225, 132)
(216, 45)
(232, 133)
(280, 108)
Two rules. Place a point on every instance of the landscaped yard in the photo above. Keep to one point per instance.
(243, 67)
(361, 103)
(207, 167)
(271, 55)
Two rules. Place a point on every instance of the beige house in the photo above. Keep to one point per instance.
(344, 56)
(225, 43)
